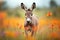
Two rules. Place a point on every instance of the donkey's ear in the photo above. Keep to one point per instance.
(23, 6)
(33, 5)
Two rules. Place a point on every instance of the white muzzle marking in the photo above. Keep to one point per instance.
(28, 19)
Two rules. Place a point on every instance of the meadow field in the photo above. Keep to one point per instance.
(12, 25)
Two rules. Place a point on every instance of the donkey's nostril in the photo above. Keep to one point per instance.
(28, 22)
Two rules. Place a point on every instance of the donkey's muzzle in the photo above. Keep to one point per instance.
(28, 22)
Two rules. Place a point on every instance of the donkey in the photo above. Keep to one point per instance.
(31, 20)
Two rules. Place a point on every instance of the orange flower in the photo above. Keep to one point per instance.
(49, 14)
(54, 34)
(2, 14)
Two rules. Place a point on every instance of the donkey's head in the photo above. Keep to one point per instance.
(28, 13)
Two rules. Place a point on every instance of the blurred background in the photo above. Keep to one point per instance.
(12, 19)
